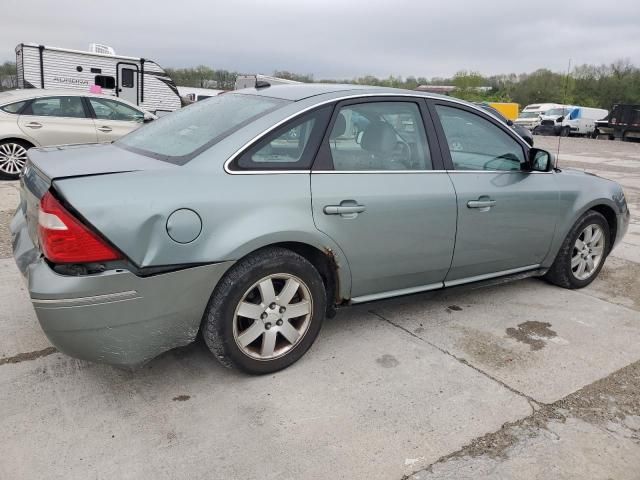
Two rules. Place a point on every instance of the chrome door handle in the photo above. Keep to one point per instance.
(105, 129)
(33, 125)
(344, 209)
(483, 205)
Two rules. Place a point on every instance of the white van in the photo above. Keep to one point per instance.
(530, 115)
(582, 121)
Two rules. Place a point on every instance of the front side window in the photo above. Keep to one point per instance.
(290, 147)
(106, 109)
(477, 144)
(69, 107)
(379, 136)
(13, 107)
(176, 138)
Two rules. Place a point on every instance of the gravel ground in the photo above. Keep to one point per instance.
(5, 236)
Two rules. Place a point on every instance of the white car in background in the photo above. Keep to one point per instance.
(43, 118)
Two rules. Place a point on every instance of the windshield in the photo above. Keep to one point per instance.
(179, 137)
(529, 114)
(558, 111)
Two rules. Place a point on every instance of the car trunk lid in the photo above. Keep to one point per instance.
(46, 165)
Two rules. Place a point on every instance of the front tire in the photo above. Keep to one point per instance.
(582, 253)
(266, 311)
(13, 158)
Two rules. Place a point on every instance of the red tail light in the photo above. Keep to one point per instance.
(64, 239)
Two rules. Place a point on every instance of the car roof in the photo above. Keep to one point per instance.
(301, 91)
(11, 96)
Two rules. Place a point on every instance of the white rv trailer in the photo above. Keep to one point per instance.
(138, 80)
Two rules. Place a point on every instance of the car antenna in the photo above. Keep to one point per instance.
(564, 103)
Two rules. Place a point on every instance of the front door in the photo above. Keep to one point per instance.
(506, 214)
(379, 191)
(127, 87)
(57, 120)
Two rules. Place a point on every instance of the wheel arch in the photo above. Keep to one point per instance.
(325, 256)
(15, 138)
(609, 213)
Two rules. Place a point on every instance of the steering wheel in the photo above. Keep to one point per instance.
(456, 145)
(401, 153)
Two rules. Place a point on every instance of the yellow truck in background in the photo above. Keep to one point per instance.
(509, 110)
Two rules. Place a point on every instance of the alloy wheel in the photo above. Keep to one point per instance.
(588, 252)
(13, 158)
(266, 324)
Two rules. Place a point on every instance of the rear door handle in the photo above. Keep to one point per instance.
(105, 129)
(483, 204)
(344, 209)
(33, 125)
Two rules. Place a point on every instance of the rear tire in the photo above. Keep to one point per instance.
(582, 254)
(266, 311)
(13, 158)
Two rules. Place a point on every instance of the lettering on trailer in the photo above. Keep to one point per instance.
(71, 81)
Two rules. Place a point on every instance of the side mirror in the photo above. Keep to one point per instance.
(541, 160)
(510, 122)
(559, 119)
(148, 118)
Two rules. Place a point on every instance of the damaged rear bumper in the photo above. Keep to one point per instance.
(118, 318)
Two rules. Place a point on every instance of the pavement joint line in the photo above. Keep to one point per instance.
(585, 294)
(27, 356)
(532, 401)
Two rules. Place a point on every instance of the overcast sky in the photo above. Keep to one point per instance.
(337, 39)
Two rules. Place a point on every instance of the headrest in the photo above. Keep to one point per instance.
(339, 127)
(379, 137)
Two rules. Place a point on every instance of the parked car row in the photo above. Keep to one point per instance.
(258, 212)
(42, 118)
(563, 120)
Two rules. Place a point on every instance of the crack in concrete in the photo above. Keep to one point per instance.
(611, 398)
(532, 401)
(27, 356)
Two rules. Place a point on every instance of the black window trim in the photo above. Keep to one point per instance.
(444, 145)
(310, 150)
(115, 82)
(324, 163)
(87, 113)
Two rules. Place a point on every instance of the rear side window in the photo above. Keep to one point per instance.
(291, 147)
(178, 137)
(105, 81)
(13, 107)
(68, 107)
(379, 136)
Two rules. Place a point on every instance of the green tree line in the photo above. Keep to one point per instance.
(587, 85)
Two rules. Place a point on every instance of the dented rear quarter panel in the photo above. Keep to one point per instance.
(239, 213)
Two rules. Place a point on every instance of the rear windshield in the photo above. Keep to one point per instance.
(179, 137)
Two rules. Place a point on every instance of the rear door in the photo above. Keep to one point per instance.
(127, 87)
(379, 191)
(57, 120)
(114, 119)
(506, 214)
